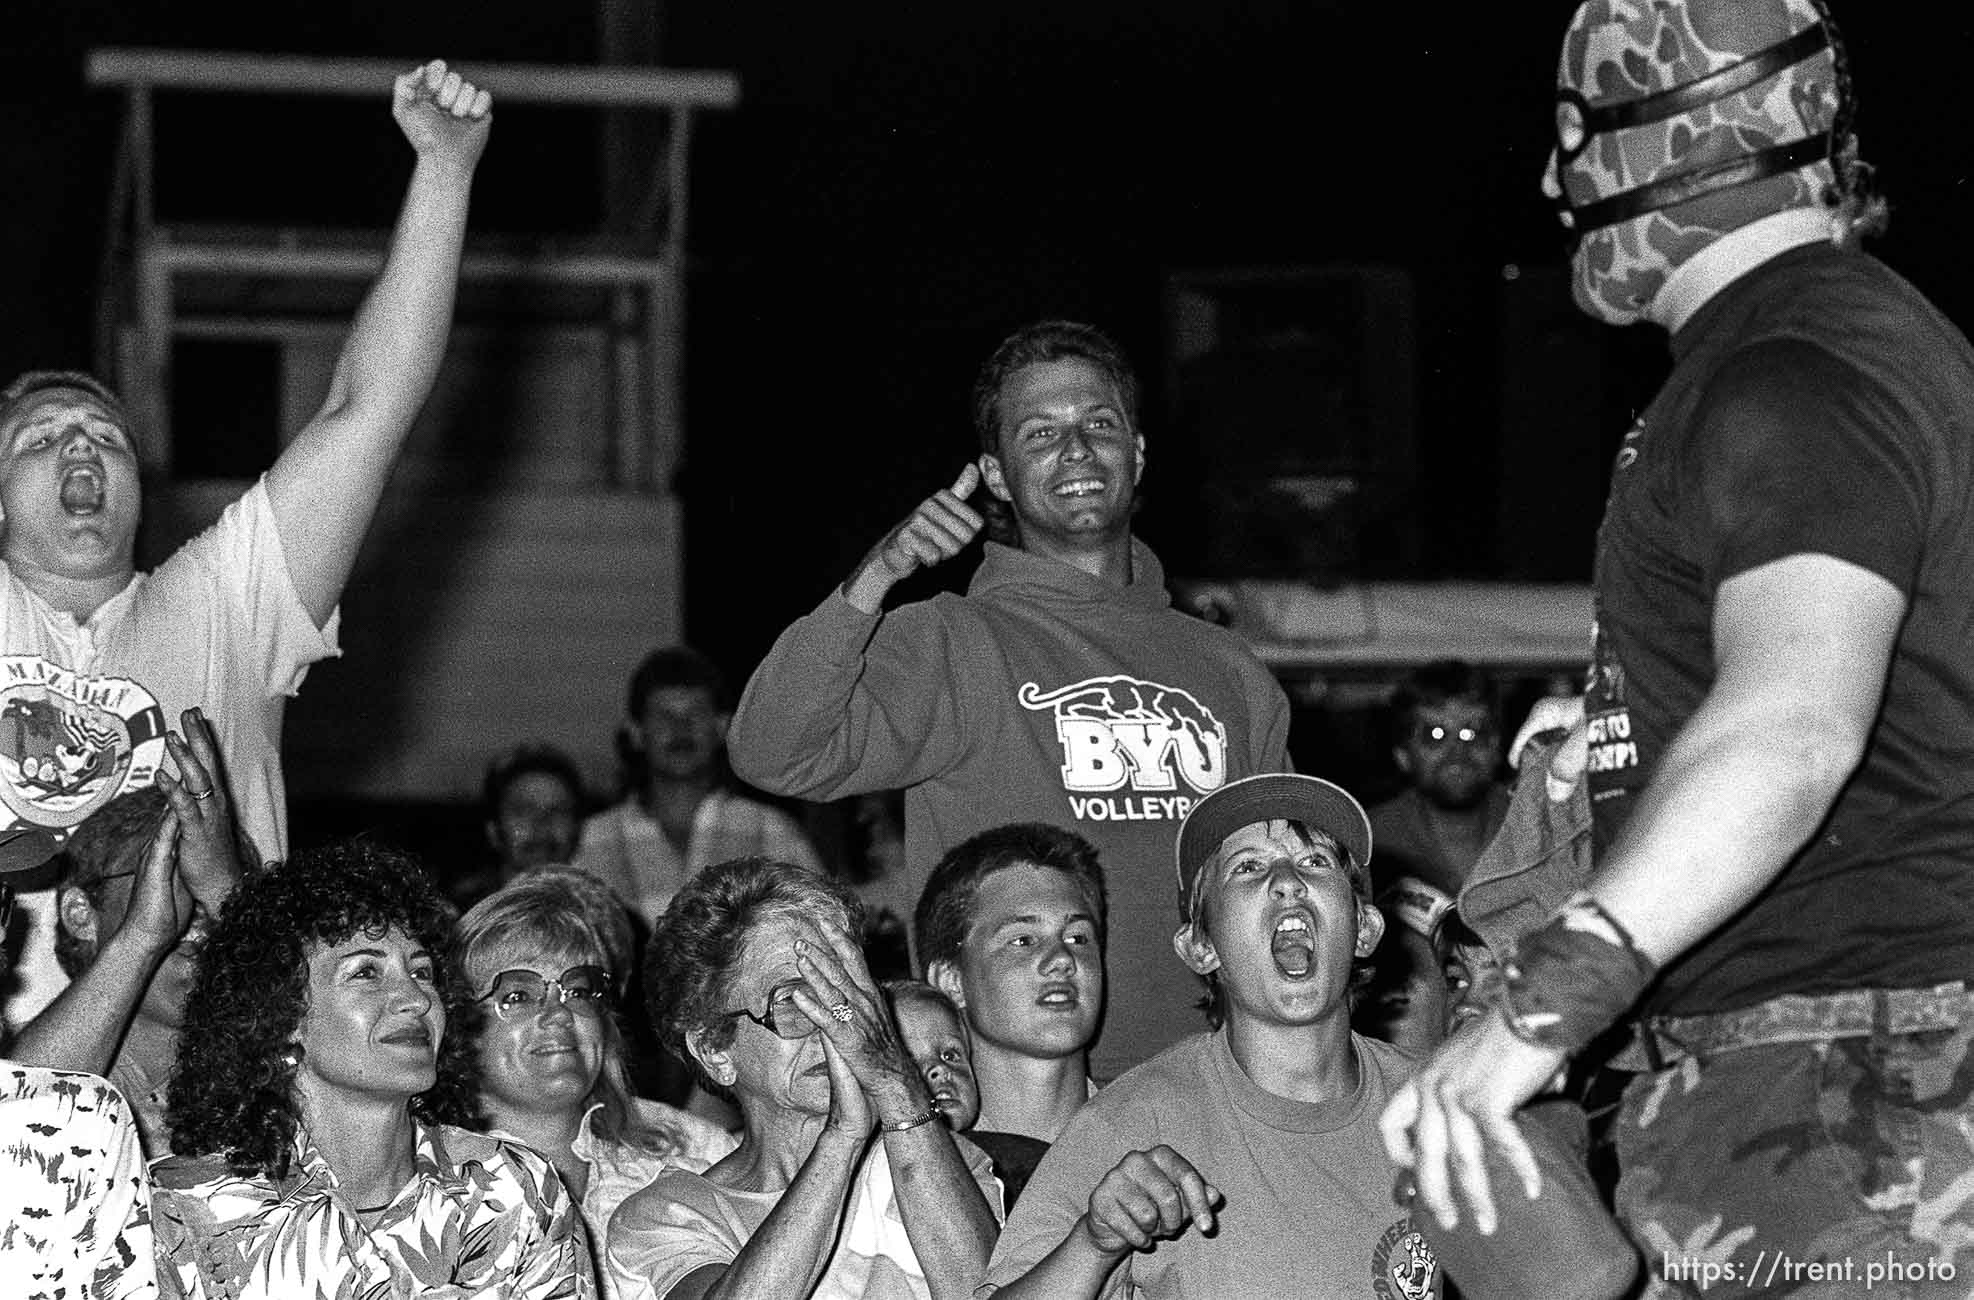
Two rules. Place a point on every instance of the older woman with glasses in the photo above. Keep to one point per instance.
(845, 1183)
(544, 958)
(313, 1104)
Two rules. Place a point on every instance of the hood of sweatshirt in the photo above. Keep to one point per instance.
(1005, 567)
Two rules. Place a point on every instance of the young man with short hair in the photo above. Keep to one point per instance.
(1011, 928)
(1244, 1160)
(1062, 687)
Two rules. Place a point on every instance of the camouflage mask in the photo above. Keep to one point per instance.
(1679, 121)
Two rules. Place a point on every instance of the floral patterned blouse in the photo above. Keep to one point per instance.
(75, 1211)
(616, 1169)
(480, 1217)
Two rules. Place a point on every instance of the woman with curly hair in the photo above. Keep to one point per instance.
(544, 958)
(845, 1183)
(313, 1106)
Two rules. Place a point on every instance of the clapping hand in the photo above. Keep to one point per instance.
(161, 908)
(202, 813)
(839, 995)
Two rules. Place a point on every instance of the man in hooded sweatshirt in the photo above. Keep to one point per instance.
(1061, 688)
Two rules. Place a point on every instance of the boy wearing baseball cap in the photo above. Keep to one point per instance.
(1244, 1160)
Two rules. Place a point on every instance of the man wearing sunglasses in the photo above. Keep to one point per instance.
(1780, 712)
(1447, 745)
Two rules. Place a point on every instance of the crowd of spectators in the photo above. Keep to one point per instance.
(1170, 1019)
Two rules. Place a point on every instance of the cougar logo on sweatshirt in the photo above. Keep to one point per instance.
(1121, 733)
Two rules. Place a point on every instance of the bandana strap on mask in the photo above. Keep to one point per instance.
(1578, 123)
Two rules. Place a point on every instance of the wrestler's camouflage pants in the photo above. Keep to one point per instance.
(1772, 1157)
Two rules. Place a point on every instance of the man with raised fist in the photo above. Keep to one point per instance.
(97, 656)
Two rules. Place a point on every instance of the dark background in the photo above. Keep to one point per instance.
(906, 183)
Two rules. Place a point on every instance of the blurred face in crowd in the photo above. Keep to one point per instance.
(93, 923)
(1413, 1012)
(537, 823)
(1470, 970)
(1069, 460)
(68, 487)
(936, 1041)
(1450, 752)
(1030, 972)
(542, 1036)
(680, 731)
(374, 1019)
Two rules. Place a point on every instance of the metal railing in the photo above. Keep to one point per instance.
(137, 303)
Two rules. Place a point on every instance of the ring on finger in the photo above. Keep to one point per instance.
(841, 1013)
(203, 795)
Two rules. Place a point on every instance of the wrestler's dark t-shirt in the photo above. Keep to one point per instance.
(1819, 404)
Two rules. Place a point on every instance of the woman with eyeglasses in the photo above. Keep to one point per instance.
(545, 957)
(845, 1183)
(313, 1104)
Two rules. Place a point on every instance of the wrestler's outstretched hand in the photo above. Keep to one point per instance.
(1461, 1103)
(444, 116)
(937, 530)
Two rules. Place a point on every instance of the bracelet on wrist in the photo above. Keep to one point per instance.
(926, 1116)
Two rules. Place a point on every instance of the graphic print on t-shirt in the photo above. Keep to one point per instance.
(1403, 1266)
(1132, 750)
(71, 742)
(1613, 749)
(1613, 763)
